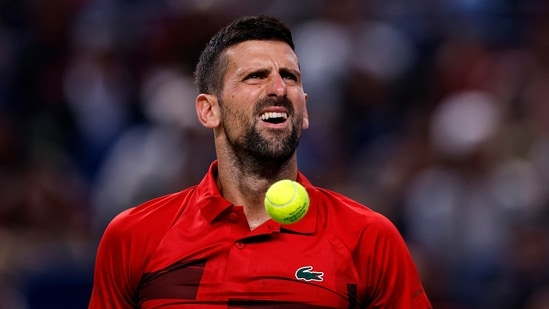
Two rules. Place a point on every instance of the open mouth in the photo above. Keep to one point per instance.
(274, 117)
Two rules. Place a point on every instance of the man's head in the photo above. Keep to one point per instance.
(251, 93)
(211, 67)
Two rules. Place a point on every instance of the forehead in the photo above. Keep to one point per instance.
(258, 54)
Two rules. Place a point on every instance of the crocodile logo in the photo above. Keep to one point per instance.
(305, 273)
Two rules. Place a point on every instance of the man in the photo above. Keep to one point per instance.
(214, 246)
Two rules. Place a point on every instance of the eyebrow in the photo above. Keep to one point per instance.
(262, 72)
(268, 71)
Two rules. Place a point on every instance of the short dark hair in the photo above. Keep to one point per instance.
(211, 68)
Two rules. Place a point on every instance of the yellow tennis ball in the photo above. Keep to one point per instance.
(286, 201)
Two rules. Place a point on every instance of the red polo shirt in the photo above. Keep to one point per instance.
(193, 249)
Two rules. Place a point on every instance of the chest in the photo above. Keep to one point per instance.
(226, 262)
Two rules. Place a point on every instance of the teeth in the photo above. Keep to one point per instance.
(271, 115)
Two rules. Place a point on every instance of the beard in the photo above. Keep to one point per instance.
(257, 148)
(277, 147)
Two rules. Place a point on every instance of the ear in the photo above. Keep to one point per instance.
(207, 110)
(305, 114)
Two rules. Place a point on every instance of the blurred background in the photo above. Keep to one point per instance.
(432, 112)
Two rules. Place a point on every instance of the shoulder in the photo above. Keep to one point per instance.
(159, 213)
(339, 206)
(351, 219)
(135, 234)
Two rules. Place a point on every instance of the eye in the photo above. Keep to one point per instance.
(253, 76)
(289, 75)
(256, 75)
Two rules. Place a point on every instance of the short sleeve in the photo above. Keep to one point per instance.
(115, 276)
(390, 269)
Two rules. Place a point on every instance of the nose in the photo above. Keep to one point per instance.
(277, 86)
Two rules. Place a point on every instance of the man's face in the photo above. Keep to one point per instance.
(262, 103)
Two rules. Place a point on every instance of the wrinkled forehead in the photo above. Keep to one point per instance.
(261, 53)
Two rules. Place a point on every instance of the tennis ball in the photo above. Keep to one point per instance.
(286, 201)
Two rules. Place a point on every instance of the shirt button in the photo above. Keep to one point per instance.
(239, 244)
(233, 217)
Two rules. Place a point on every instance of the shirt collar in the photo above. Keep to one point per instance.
(212, 204)
(209, 200)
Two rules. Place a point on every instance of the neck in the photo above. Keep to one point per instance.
(246, 186)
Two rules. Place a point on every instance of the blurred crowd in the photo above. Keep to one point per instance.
(432, 112)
